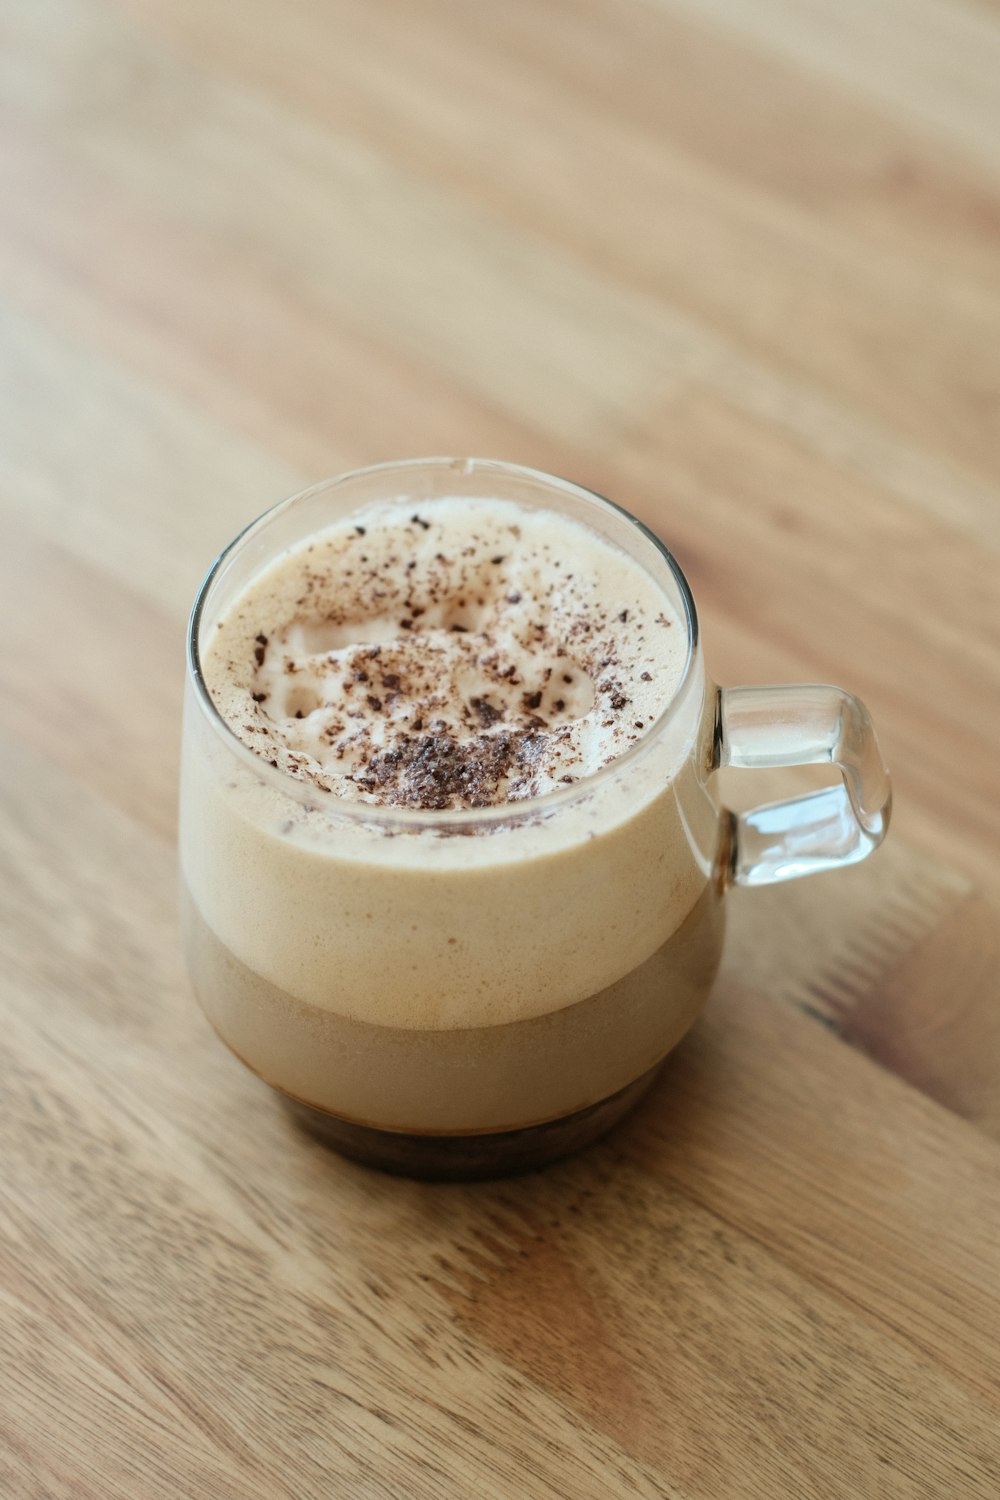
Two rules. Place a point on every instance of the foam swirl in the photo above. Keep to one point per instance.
(460, 654)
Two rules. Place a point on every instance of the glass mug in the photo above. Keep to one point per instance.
(465, 993)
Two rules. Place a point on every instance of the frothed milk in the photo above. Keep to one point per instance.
(451, 883)
(456, 656)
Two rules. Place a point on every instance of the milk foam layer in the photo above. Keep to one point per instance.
(344, 905)
(459, 654)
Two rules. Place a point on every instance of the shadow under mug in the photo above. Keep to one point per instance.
(476, 992)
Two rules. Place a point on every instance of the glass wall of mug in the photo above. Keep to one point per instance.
(453, 992)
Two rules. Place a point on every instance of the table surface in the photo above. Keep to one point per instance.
(737, 266)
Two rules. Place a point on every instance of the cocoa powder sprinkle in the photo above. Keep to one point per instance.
(453, 714)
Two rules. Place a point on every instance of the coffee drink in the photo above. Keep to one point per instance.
(452, 862)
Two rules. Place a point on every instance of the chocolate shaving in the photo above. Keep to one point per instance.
(488, 714)
(436, 771)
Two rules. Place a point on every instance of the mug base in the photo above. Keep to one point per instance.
(468, 1158)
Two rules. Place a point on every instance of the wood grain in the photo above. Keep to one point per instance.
(736, 267)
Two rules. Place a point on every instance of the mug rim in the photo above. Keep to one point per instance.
(439, 819)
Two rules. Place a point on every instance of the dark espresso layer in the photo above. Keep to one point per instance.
(465, 1158)
(461, 1081)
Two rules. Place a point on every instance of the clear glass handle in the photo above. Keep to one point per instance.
(803, 725)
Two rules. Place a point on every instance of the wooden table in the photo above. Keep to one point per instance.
(737, 266)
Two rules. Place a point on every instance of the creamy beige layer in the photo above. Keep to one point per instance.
(424, 930)
(335, 904)
(465, 1079)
